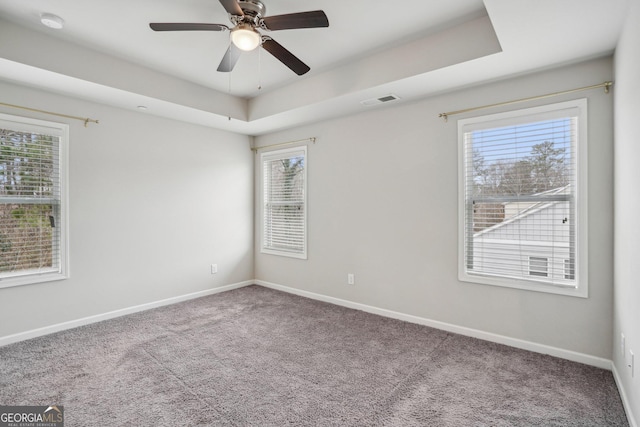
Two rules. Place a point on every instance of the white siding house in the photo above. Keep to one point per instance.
(534, 241)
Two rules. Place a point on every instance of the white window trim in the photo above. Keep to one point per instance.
(581, 274)
(283, 153)
(61, 130)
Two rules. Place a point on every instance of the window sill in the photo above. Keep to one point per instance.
(284, 253)
(527, 285)
(31, 279)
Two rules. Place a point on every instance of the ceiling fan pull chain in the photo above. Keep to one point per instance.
(229, 88)
(260, 67)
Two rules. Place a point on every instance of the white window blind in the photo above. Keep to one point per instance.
(284, 202)
(520, 215)
(538, 266)
(32, 226)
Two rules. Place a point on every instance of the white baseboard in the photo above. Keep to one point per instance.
(475, 333)
(623, 395)
(9, 339)
(513, 342)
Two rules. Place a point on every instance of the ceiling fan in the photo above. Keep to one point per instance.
(247, 16)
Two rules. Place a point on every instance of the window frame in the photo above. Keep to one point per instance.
(578, 109)
(282, 154)
(61, 130)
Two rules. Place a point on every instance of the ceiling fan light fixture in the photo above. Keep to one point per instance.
(245, 37)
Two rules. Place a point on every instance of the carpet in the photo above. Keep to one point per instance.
(258, 357)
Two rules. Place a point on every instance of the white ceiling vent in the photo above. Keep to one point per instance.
(381, 100)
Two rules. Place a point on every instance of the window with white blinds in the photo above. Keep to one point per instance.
(32, 201)
(284, 202)
(522, 199)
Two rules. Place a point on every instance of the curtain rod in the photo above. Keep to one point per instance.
(605, 85)
(312, 139)
(86, 120)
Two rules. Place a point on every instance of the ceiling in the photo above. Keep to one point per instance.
(107, 53)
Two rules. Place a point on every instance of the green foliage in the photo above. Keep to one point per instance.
(5, 243)
(18, 214)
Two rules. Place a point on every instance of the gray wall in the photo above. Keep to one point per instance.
(383, 205)
(627, 206)
(153, 202)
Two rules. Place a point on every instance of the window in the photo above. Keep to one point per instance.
(522, 199)
(284, 202)
(32, 201)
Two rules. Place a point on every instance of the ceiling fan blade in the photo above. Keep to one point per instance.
(312, 19)
(284, 56)
(175, 26)
(232, 7)
(229, 59)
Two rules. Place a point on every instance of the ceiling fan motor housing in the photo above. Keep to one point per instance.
(253, 10)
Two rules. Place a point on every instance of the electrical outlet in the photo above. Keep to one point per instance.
(622, 344)
(214, 268)
(351, 279)
(632, 362)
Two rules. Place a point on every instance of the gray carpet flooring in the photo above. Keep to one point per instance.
(258, 357)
